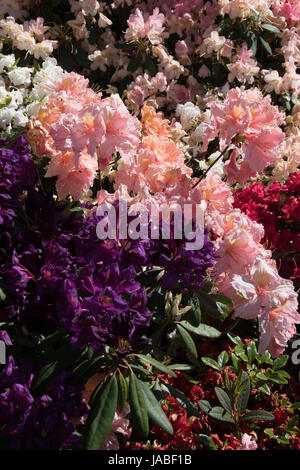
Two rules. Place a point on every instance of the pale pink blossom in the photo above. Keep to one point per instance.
(120, 426)
(248, 442)
(145, 26)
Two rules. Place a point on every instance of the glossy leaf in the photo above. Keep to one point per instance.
(101, 415)
(158, 365)
(138, 410)
(155, 413)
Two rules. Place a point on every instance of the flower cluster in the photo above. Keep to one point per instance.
(22, 89)
(43, 422)
(159, 107)
(277, 207)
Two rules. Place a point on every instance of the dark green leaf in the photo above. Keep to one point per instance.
(223, 399)
(280, 361)
(265, 389)
(201, 330)
(155, 413)
(157, 365)
(122, 392)
(135, 63)
(235, 339)
(243, 396)
(208, 305)
(270, 27)
(252, 43)
(138, 410)
(216, 412)
(188, 341)
(223, 359)
(196, 309)
(208, 361)
(182, 367)
(235, 361)
(251, 351)
(266, 45)
(101, 415)
(261, 376)
(207, 441)
(258, 415)
(150, 65)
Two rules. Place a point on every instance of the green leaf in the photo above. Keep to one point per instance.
(223, 399)
(182, 367)
(182, 400)
(122, 392)
(257, 415)
(278, 380)
(216, 412)
(101, 415)
(266, 45)
(157, 365)
(141, 370)
(252, 43)
(270, 27)
(235, 361)
(155, 413)
(208, 305)
(208, 361)
(265, 389)
(261, 376)
(235, 339)
(92, 367)
(207, 441)
(223, 359)
(280, 362)
(251, 351)
(196, 309)
(138, 408)
(243, 396)
(201, 330)
(150, 65)
(188, 341)
(135, 63)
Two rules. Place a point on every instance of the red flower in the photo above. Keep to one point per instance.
(281, 416)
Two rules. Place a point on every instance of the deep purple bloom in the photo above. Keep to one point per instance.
(45, 422)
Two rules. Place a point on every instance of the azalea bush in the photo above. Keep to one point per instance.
(149, 342)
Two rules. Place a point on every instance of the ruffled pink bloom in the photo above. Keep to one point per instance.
(144, 25)
(236, 252)
(290, 9)
(270, 298)
(72, 180)
(123, 131)
(247, 123)
(263, 149)
(136, 94)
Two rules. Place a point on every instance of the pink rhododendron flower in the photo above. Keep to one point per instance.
(247, 123)
(145, 26)
(243, 67)
(80, 132)
(248, 442)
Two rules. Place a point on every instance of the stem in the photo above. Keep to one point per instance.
(209, 168)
